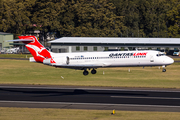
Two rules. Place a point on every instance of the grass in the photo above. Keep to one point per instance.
(24, 72)
(71, 114)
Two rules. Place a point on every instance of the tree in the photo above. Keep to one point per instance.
(173, 17)
(45, 15)
(15, 16)
(1, 12)
(136, 18)
(91, 18)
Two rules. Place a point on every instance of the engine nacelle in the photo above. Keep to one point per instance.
(47, 61)
(62, 60)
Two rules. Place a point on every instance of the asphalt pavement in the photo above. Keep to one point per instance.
(77, 97)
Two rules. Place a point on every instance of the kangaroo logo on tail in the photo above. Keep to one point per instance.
(38, 51)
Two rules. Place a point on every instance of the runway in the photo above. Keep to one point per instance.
(69, 97)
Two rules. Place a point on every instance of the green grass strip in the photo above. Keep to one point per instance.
(25, 72)
(72, 114)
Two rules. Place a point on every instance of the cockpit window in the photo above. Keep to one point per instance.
(160, 54)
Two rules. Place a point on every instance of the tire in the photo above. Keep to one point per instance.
(93, 71)
(164, 70)
(85, 73)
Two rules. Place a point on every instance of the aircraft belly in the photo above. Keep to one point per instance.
(125, 62)
(89, 64)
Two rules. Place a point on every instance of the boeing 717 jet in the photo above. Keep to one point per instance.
(93, 60)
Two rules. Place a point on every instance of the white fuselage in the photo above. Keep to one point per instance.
(109, 59)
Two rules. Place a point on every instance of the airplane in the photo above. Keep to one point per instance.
(93, 60)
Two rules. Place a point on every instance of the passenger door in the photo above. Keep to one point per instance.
(151, 58)
(67, 60)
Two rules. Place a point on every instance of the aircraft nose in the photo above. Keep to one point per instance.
(170, 61)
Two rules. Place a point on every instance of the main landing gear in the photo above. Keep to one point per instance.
(164, 70)
(85, 72)
(93, 71)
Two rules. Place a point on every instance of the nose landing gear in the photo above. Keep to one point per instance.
(164, 70)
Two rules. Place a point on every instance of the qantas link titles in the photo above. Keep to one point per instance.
(94, 60)
(128, 54)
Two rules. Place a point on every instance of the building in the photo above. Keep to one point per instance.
(91, 44)
(4, 37)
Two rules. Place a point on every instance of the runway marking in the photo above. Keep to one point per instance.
(146, 97)
(100, 104)
(44, 87)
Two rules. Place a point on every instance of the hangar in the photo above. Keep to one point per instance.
(89, 44)
(5, 37)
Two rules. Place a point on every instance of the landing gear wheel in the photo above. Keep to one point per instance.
(164, 70)
(93, 71)
(85, 73)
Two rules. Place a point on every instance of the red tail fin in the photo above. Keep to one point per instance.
(38, 51)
